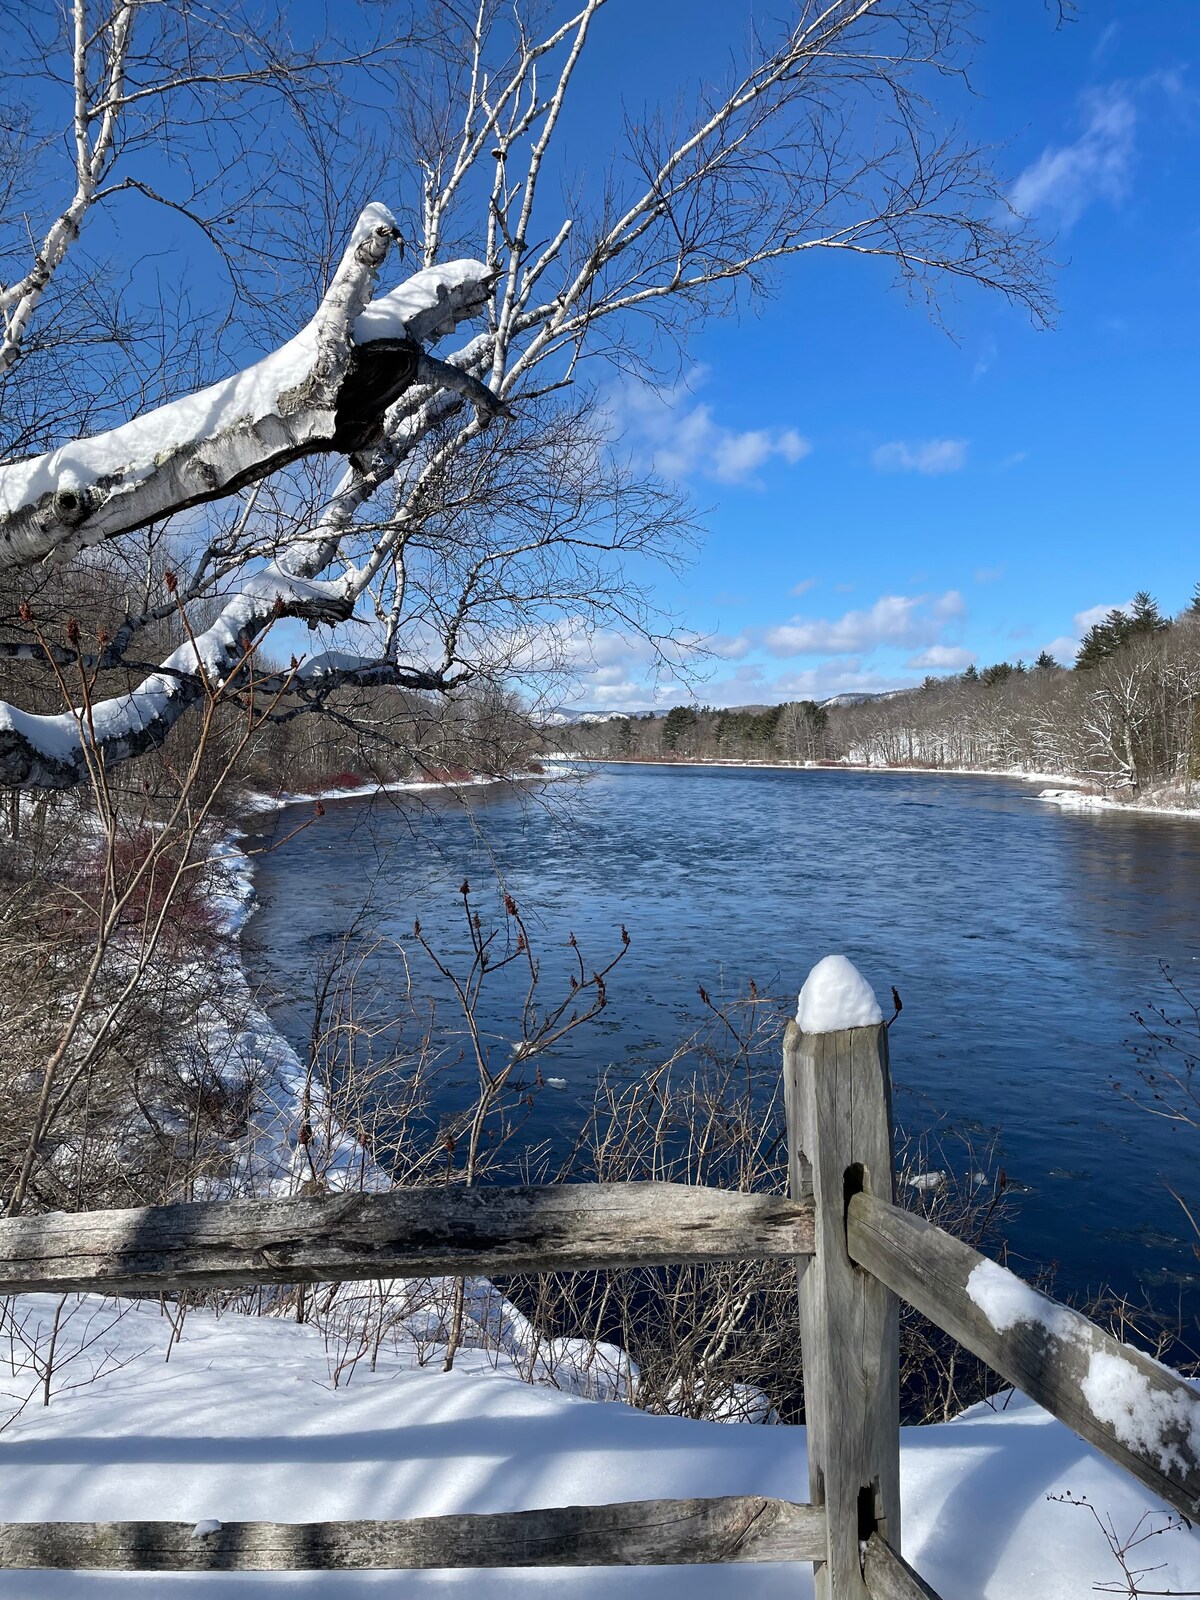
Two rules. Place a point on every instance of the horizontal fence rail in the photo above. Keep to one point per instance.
(403, 1233)
(638, 1533)
(1136, 1412)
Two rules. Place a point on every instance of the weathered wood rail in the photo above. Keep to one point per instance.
(450, 1231)
(857, 1255)
(659, 1533)
(1135, 1411)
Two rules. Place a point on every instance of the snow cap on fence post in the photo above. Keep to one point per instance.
(836, 996)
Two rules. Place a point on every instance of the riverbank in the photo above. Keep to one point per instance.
(1166, 800)
(256, 801)
(295, 1142)
(818, 766)
(1169, 800)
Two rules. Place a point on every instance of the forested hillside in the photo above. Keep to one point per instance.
(1125, 716)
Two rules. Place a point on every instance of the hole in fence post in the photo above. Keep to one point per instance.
(871, 1516)
(867, 1520)
(854, 1181)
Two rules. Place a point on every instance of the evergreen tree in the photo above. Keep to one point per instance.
(1144, 616)
(970, 675)
(678, 721)
(1046, 662)
(1142, 620)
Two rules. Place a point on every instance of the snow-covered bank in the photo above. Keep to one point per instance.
(824, 766)
(257, 801)
(273, 1160)
(242, 1424)
(1076, 800)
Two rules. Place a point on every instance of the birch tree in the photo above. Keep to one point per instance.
(479, 525)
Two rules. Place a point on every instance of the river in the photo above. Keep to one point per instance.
(1021, 939)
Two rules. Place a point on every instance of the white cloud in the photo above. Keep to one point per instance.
(942, 657)
(729, 649)
(804, 586)
(983, 361)
(950, 604)
(904, 620)
(1064, 647)
(683, 440)
(988, 574)
(750, 685)
(1097, 166)
(1102, 45)
(930, 456)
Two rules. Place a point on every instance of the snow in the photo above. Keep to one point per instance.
(372, 217)
(1162, 806)
(388, 316)
(365, 791)
(57, 737)
(243, 1424)
(836, 996)
(927, 1180)
(1005, 1301)
(131, 451)
(1142, 1417)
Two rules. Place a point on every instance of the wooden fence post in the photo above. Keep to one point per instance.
(839, 1117)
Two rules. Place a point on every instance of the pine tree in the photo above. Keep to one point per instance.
(1046, 663)
(1095, 646)
(1144, 616)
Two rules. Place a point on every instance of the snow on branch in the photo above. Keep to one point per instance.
(52, 752)
(326, 389)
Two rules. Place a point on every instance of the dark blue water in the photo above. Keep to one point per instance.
(1021, 939)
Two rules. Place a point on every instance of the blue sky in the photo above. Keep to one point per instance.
(881, 499)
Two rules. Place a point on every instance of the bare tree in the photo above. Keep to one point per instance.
(482, 526)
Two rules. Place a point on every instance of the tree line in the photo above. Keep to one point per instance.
(1124, 716)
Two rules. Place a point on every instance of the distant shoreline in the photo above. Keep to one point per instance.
(819, 766)
(1073, 798)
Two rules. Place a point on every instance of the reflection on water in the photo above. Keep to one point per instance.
(1020, 937)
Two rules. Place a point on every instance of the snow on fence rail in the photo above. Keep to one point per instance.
(856, 1252)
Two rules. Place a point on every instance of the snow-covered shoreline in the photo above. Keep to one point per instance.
(273, 1161)
(1075, 797)
(821, 766)
(256, 801)
(1076, 800)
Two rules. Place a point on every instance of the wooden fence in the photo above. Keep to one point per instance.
(856, 1253)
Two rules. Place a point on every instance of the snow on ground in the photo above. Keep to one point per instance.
(365, 791)
(242, 1424)
(1166, 803)
(836, 996)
